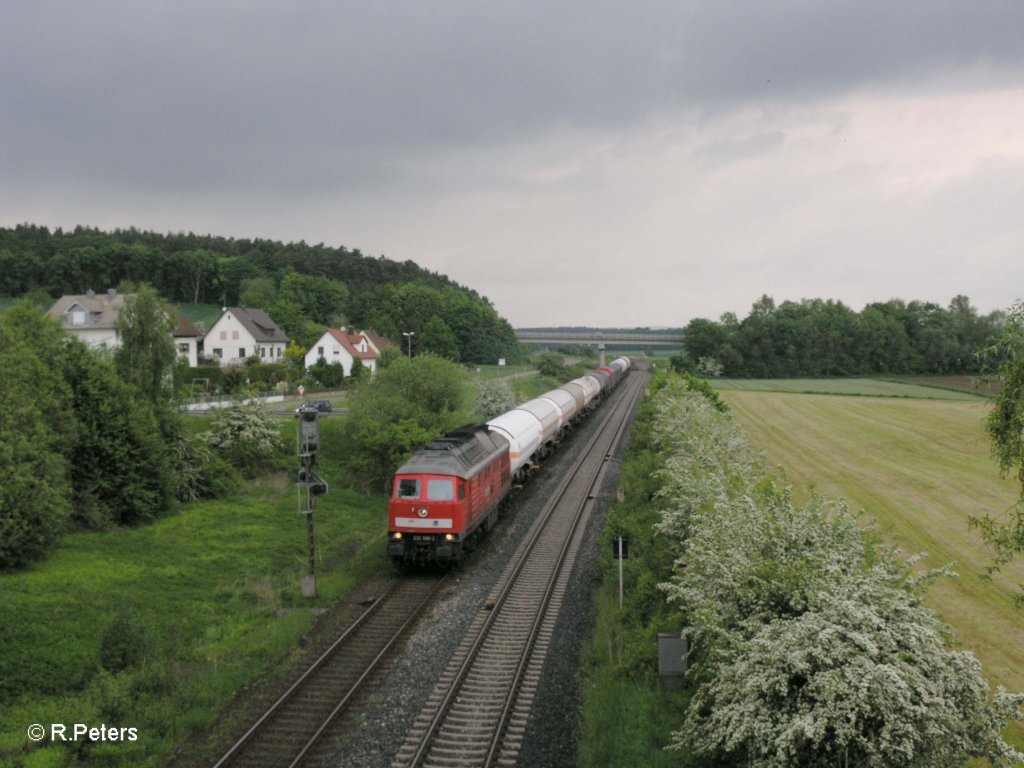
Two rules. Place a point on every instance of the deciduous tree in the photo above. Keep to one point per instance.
(1005, 427)
(35, 492)
(408, 403)
(147, 353)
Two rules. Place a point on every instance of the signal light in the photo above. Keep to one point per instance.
(309, 434)
(317, 485)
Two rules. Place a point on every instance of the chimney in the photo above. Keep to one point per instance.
(111, 293)
(90, 294)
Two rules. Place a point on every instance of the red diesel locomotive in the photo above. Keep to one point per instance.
(447, 495)
(450, 492)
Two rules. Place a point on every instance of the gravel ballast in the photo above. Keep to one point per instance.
(553, 729)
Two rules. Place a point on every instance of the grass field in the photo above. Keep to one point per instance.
(202, 314)
(214, 594)
(861, 387)
(918, 468)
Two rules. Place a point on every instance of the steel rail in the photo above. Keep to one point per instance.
(613, 423)
(622, 416)
(310, 673)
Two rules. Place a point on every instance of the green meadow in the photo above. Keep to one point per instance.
(918, 469)
(914, 459)
(159, 627)
(857, 387)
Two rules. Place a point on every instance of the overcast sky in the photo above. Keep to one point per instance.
(590, 163)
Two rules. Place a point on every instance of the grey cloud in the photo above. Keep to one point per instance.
(324, 95)
(728, 150)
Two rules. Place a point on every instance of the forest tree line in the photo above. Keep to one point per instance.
(816, 337)
(302, 287)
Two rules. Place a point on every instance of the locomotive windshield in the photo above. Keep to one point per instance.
(408, 489)
(440, 490)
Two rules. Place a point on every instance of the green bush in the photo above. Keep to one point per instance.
(200, 470)
(410, 402)
(35, 493)
(125, 642)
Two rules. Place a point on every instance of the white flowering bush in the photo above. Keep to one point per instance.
(492, 397)
(757, 558)
(245, 436)
(707, 457)
(813, 646)
(862, 677)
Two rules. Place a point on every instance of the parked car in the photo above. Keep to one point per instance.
(324, 406)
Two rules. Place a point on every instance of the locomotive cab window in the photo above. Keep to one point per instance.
(440, 490)
(462, 491)
(408, 489)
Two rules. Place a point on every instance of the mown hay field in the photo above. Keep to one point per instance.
(918, 468)
(921, 387)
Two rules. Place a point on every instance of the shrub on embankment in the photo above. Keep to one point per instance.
(810, 642)
(159, 627)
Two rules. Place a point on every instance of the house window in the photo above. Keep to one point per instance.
(241, 352)
(183, 348)
(218, 353)
(223, 335)
(319, 351)
(234, 335)
(78, 317)
(263, 351)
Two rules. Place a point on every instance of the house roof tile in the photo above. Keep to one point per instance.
(258, 323)
(100, 310)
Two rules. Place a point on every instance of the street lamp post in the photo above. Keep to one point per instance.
(409, 336)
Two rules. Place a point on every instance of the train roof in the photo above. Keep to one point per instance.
(461, 452)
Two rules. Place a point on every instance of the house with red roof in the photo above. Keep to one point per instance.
(186, 336)
(337, 345)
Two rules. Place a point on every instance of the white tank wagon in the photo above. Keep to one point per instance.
(620, 366)
(524, 433)
(603, 379)
(579, 395)
(567, 408)
(591, 389)
(548, 414)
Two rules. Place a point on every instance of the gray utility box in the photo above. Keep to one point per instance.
(672, 652)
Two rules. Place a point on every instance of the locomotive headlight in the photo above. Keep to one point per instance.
(449, 537)
(422, 512)
(396, 535)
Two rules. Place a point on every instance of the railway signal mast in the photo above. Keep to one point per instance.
(310, 484)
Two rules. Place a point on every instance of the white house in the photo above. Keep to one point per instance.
(337, 345)
(186, 337)
(90, 317)
(93, 319)
(241, 333)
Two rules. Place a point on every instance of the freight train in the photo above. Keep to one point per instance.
(451, 491)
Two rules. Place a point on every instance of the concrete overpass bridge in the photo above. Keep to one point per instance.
(631, 339)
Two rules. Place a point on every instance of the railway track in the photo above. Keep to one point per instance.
(290, 729)
(477, 713)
